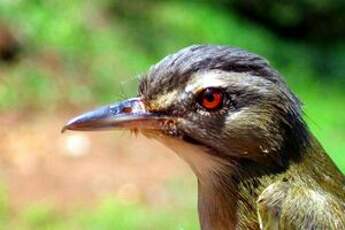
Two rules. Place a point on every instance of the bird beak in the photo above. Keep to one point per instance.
(128, 114)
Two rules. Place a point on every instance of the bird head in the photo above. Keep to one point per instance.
(213, 105)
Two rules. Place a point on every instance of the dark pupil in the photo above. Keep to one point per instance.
(209, 95)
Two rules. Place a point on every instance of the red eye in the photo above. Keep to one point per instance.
(211, 99)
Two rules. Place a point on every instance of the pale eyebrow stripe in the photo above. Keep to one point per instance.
(220, 78)
(213, 78)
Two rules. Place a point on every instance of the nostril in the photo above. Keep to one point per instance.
(126, 109)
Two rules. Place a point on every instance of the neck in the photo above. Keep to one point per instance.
(228, 191)
(227, 198)
(217, 206)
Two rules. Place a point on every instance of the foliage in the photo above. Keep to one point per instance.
(312, 20)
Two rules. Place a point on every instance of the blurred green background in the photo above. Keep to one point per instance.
(63, 56)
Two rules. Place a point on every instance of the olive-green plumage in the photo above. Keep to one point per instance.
(233, 119)
(309, 194)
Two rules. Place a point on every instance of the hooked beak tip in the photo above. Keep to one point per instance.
(68, 125)
(64, 129)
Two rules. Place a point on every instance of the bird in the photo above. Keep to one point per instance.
(230, 115)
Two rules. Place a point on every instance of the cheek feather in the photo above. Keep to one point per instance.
(234, 116)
